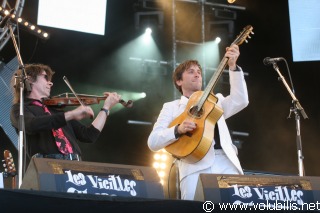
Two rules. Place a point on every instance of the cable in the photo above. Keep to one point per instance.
(293, 91)
(169, 175)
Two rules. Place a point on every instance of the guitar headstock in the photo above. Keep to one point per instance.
(242, 37)
(8, 164)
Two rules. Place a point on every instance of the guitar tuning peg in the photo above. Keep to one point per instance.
(252, 32)
(4, 165)
(249, 36)
(246, 41)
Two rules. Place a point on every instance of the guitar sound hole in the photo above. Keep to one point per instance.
(194, 112)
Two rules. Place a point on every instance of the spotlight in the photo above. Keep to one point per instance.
(231, 1)
(218, 40)
(147, 36)
(148, 31)
(157, 156)
(156, 165)
(143, 95)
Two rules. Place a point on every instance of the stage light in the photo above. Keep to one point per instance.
(161, 174)
(161, 164)
(148, 18)
(164, 157)
(148, 31)
(18, 20)
(156, 156)
(231, 1)
(156, 165)
(147, 36)
(137, 95)
(143, 95)
(218, 40)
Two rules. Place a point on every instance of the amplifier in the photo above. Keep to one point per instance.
(92, 178)
(272, 190)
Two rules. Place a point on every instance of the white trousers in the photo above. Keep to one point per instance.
(221, 165)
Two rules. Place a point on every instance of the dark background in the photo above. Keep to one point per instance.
(93, 64)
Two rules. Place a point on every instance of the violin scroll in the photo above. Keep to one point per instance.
(127, 104)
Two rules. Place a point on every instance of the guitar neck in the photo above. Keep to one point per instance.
(213, 81)
(13, 182)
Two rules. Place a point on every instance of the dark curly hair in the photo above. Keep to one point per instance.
(32, 71)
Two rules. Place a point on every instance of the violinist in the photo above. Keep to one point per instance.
(51, 132)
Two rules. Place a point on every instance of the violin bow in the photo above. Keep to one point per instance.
(74, 93)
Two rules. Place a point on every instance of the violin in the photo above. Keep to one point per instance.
(64, 99)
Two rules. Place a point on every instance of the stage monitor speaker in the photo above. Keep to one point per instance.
(92, 178)
(257, 189)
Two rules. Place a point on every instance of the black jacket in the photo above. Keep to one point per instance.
(39, 125)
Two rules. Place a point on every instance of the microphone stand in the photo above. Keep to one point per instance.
(23, 82)
(295, 109)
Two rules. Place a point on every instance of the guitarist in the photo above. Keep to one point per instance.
(222, 156)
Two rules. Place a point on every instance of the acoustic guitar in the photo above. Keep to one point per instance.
(203, 110)
(9, 167)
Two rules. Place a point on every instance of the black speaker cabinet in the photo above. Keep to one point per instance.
(92, 178)
(294, 191)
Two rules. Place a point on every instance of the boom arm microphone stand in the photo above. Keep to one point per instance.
(296, 109)
(21, 81)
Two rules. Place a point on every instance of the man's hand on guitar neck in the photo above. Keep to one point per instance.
(232, 53)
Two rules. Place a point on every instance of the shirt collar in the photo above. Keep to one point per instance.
(183, 100)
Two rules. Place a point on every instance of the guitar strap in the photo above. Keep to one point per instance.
(217, 145)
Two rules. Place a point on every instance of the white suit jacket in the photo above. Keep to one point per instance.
(161, 135)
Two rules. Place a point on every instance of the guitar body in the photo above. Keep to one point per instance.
(193, 146)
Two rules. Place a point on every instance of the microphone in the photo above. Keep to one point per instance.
(269, 61)
(6, 19)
